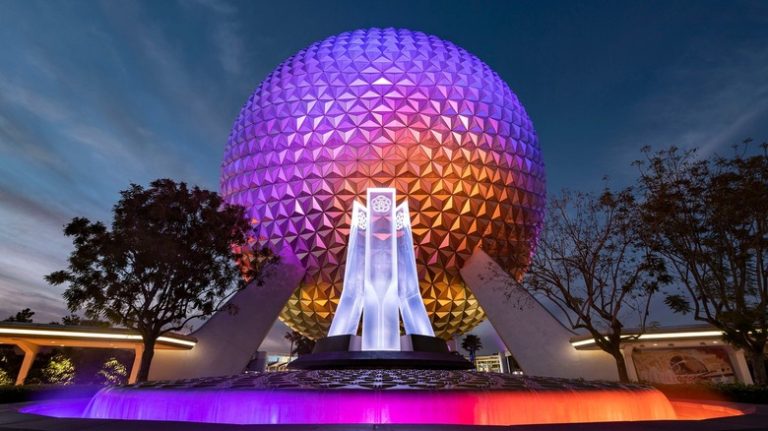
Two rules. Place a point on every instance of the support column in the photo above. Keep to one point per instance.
(30, 353)
(540, 343)
(226, 342)
(139, 351)
(739, 363)
(629, 362)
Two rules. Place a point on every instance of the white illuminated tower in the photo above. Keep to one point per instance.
(380, 279)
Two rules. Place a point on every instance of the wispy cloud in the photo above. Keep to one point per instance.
(230, 46)
(73, 132)
(31, 246)
(46, 108)
(703, 104)
(219, 6)
(226, 34)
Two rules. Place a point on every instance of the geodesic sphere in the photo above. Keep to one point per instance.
(387, 108)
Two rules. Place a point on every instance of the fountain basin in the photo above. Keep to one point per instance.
(374, 397)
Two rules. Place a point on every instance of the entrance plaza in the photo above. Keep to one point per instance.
(402, 183)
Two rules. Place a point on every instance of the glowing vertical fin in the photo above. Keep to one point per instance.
(412, 308)
(380, 279)
(350, 307)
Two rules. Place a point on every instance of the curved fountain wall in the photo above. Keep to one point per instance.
(381, 397)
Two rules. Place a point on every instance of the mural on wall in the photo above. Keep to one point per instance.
(683, 365)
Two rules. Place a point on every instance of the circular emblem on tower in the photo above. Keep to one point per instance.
(387, 108)
(381, 204)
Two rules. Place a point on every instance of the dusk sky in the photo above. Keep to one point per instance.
(96, 95)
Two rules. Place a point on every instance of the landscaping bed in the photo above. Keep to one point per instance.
(733, 392)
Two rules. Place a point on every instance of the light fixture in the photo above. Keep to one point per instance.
(657, 336)
(96, 335)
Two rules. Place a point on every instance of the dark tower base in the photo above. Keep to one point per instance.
(343, 352)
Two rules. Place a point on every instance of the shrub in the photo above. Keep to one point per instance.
(734, 392)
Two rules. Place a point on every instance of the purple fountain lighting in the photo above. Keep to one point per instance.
(379, 397)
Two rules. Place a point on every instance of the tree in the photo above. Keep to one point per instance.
(590, 263)
(471, 343)
(304, 346)
(10, 361)
(292, 336)
(708, 217)
(112, 372)
(71, 320)
(60, 370)
(23, 316)
(75, 320)
(169, 257)
(300, 345)
(5, 378)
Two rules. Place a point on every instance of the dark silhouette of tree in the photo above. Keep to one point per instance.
(23, 316)
(75, 320)
(169, 257)
(708, 217)
(471, 343)
(292, 336)
(71, 320)
(300, 345)
(590, 263)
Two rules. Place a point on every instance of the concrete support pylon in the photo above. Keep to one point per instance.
(226, 341)
(138, 351)
(539, 342)
(30, 353)
(739, 363)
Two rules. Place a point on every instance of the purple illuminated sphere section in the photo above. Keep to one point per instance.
(387, 108)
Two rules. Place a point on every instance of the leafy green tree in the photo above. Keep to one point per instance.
(591, 264)
(60, 370)
(113, 372)
(5, 378)
(708, 217)
(471, 343)
(170, 256)
(23, 316)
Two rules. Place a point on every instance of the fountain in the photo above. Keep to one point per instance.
(380, 396)
(361, 379)
(378, 110)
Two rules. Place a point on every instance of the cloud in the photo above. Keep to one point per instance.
(230, 46)
(19, 140)
(703, 103)
(46, 108)
(31, 246)
(225, 33)
(218, 6)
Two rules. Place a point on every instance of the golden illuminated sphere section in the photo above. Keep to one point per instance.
(451, 307)
(387, 108)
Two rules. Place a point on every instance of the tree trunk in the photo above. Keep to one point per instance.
(621, 366)
(146, 358)
(757, 358)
